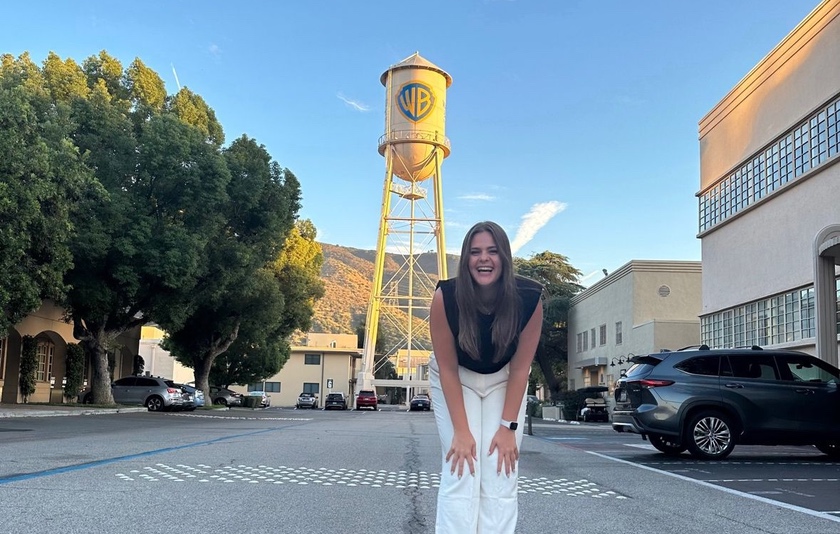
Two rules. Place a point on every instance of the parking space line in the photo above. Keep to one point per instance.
(724, 489)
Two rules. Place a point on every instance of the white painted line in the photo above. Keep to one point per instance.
(793, 507)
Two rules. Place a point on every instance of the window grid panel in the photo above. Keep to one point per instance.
(811, 143)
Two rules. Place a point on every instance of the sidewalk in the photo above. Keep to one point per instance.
(53, 410)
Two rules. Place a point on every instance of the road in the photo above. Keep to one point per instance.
(293, 471)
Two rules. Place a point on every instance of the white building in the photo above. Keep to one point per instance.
(643, 307)
(769, 198)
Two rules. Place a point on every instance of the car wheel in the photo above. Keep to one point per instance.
(710, 435)
(666, 445)
(154, 403)
(831, 448)
(220, 402)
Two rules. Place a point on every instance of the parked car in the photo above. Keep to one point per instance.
(707, 401)
(196, 396)
(265, 398)
(153, 392)
(335, 400)
(421, 401)
(367, 399)
(307, 400)
(225, 397)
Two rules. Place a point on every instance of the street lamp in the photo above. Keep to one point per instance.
(620, 361)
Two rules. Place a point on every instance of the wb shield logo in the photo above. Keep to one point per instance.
(416, 100)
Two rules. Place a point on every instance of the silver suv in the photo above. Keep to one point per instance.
(307, 400)
(707, 401)
(153, 392)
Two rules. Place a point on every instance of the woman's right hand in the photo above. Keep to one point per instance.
(462, 450)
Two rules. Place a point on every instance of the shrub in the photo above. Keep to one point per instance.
(28, 367)
(74, 365)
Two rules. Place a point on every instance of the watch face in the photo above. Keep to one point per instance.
(514, 426)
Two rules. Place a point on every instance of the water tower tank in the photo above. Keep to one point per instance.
(415, 117)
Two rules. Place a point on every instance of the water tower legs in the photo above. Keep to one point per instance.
(410, 225)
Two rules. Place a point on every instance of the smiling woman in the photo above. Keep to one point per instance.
(485, 326)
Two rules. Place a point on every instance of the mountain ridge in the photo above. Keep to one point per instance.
(347, 274)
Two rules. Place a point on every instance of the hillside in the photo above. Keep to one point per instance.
(348, 277)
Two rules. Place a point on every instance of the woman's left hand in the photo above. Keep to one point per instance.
(505, 442)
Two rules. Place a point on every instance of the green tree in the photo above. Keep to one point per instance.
(262, 348)
(141, 249)
(65, 80)
(28, 367)
(256, 295)
(74, 365)
(193, 110)
(106, 73)
(560, 280)
(43, 182)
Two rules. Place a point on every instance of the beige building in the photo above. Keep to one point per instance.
(643, 307)
(53, 335)
(769, 198)
(324, 363)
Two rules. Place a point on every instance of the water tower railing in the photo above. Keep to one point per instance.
(409, 136)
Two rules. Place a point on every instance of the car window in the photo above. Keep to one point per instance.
(127, 381)
(702, 365)
(760, 366)
(147, 382)
(801, 367)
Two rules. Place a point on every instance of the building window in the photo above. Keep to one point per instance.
(585, 341)
(311, 387)
(312, 359)
(837, 305)
(2, 357)
(592, 336)
(579, 339)
(602, 338)
(778, 319)
(618, 333)
(272, 387)
(808, 145)
(46, 350)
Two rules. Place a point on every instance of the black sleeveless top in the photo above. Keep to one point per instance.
(529, 296)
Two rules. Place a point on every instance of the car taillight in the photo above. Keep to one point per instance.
(650, 383)
(173, 391)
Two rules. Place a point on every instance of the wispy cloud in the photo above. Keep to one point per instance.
(477, 196)
(215, 49)
(355, 104)
(535, 219)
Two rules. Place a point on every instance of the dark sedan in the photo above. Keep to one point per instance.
(421, 401)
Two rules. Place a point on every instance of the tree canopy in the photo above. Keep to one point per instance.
(560, 280)
(43, 182)
(123, 206)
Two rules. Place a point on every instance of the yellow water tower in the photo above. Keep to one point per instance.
(414, 146)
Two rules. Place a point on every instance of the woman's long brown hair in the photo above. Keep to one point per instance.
(506, 306)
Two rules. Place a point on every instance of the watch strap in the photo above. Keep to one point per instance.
(509, 424)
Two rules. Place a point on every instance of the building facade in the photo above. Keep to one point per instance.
(323, 363)
(769, 198)
(643, 307)
(52, 334)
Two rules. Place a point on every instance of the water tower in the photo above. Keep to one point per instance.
(411, 224)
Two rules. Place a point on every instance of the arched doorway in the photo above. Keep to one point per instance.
(826, 260)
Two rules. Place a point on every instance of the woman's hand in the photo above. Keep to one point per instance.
(462, 449)
(505, 442)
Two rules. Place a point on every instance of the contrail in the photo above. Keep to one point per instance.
(535, 219)
(176, 77)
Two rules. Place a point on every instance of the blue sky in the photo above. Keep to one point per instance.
(573, 122)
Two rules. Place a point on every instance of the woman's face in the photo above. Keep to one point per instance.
(485, 263)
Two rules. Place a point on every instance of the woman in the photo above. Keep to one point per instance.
(485, 326)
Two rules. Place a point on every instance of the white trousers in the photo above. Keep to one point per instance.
(487, 502)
